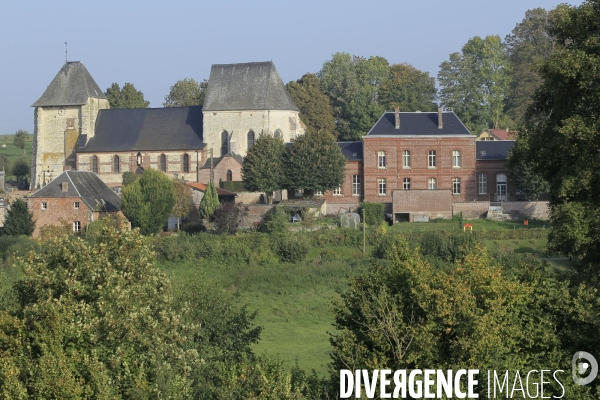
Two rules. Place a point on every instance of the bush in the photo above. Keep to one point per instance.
(291, 247)
(274, 221)
(373, 212)
(193, 227)
(228, 218)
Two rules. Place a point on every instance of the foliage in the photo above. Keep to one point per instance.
(20, 139)
(228, 217)
(194, 227)
(475, 83)
(51, 232)
(291, 247)
(262, 170)
(315, 107)
(373, 212)
(21, 168)
(408, 88)
(4, 164)
(147, 203)
(19, 220)
(96, 321)
(314, 162)
(353, 85)
(527, 45)
(183, 200)
(209, 202)
(561, 136)
(275, 221)
(128, 97)
(521, 173)
(186, 92)
(128, 178)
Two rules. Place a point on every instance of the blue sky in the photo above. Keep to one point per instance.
(152, 44)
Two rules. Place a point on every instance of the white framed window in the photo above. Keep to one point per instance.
(76, 205)
(432, 184)
(381, 162)
(406, 184)
(406, 159)
(455, 185)
(482, 183)
(77, 226)
(356, 185)
(318, 193)
(382, 186)
(431, 159)
(456, 158)
(44, 205)
(337, 191)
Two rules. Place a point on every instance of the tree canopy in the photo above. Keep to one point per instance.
(21, 168)
(315, 107)
(186, 92)
(19, 220)
(148, 201)
(183, 200)
(408, 88)
(21, 138)
(209, 202)
(128, 97)
(262, 170)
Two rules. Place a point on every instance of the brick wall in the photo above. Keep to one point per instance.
(347, 195)
(433, 203)
(492, 168)
(340, 208)
(256, 213)
(58, 211)
(527, 209)
(471, 209)
(220, 171)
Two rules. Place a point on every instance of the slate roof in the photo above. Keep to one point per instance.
(353, 151)
(493, 149)
(73, 85)
(85, 185)
(419, 124)
(151, 129)
(248, 86)
(502, 134)
(217, 160)
(202, 187)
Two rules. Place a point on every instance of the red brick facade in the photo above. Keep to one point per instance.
(487, 187)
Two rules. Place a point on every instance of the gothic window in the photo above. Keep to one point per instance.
(229, 175)
(224, 143)
(95, 164)
(277, 133)
(250, 139)
(186, 163)
(163, 163)
(116, 166)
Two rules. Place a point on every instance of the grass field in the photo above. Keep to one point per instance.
(293, 300)
(13, 152)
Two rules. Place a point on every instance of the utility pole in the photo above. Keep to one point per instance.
(364, 232)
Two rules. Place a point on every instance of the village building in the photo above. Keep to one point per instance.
(74, 198)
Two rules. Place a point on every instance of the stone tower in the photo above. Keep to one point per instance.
(65, 114)
(244, 101)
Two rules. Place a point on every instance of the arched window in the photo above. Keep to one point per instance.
(95, 164)
(229, 175)
(186, 163)
(163, 163)
(116, 166)
(224, 143)
(250, 139)
(277, 133)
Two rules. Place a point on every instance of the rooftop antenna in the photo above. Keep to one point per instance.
(66, 52)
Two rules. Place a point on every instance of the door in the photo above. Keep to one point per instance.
(500, 187)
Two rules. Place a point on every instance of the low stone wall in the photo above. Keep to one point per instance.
(340, 208)
(248, 197)
(256, 213)
(471, 209)
(527, 209)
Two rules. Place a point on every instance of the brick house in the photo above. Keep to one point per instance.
(75, 198)
(492, 170)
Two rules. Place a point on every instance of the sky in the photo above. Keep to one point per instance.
(153, 44)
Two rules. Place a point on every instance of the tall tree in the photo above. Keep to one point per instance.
(183, 200)
(262, 170)
(20, 139)
(522, 174)
(148, 201)
(561, 135)
(315, 106)
(19, 220)
(408, 88)
(209, 202)
(527, 45)
(21, 168)
(186, 92)
(475, 83)
(353, 84)
(314, 162)
(128, 97)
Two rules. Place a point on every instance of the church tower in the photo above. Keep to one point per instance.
(64, 115)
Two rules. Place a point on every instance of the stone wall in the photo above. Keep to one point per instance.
(527, 209)
(432, 203)
(220, 171)
(472, 209)
(256, 212)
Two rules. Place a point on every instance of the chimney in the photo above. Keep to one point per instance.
(440, 120)
(64, 186)
(397, 117)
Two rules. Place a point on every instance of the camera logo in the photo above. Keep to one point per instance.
(581, 363)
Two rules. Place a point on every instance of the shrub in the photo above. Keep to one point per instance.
(274, 221)
(291, 247)
(19, 220)
(193, 227)
(373, 212)
(228, 218)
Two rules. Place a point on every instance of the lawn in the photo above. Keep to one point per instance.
(13, 152)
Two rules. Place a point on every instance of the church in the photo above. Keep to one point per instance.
(75, 129)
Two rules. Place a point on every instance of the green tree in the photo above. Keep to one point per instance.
(21, 168)
(209, 202)
(186, 92)
(19, 220)
(523, 176)
(475, 83)
(353, 84)
(128, 178)
(128, 97)
(527, 46)
(408, 88)
(4, 163)
(228, 217)
(147, 203)
(561, 135)
(315, 107)
(183, 200)
(262, 170)
(20, 139)
(314, 162)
